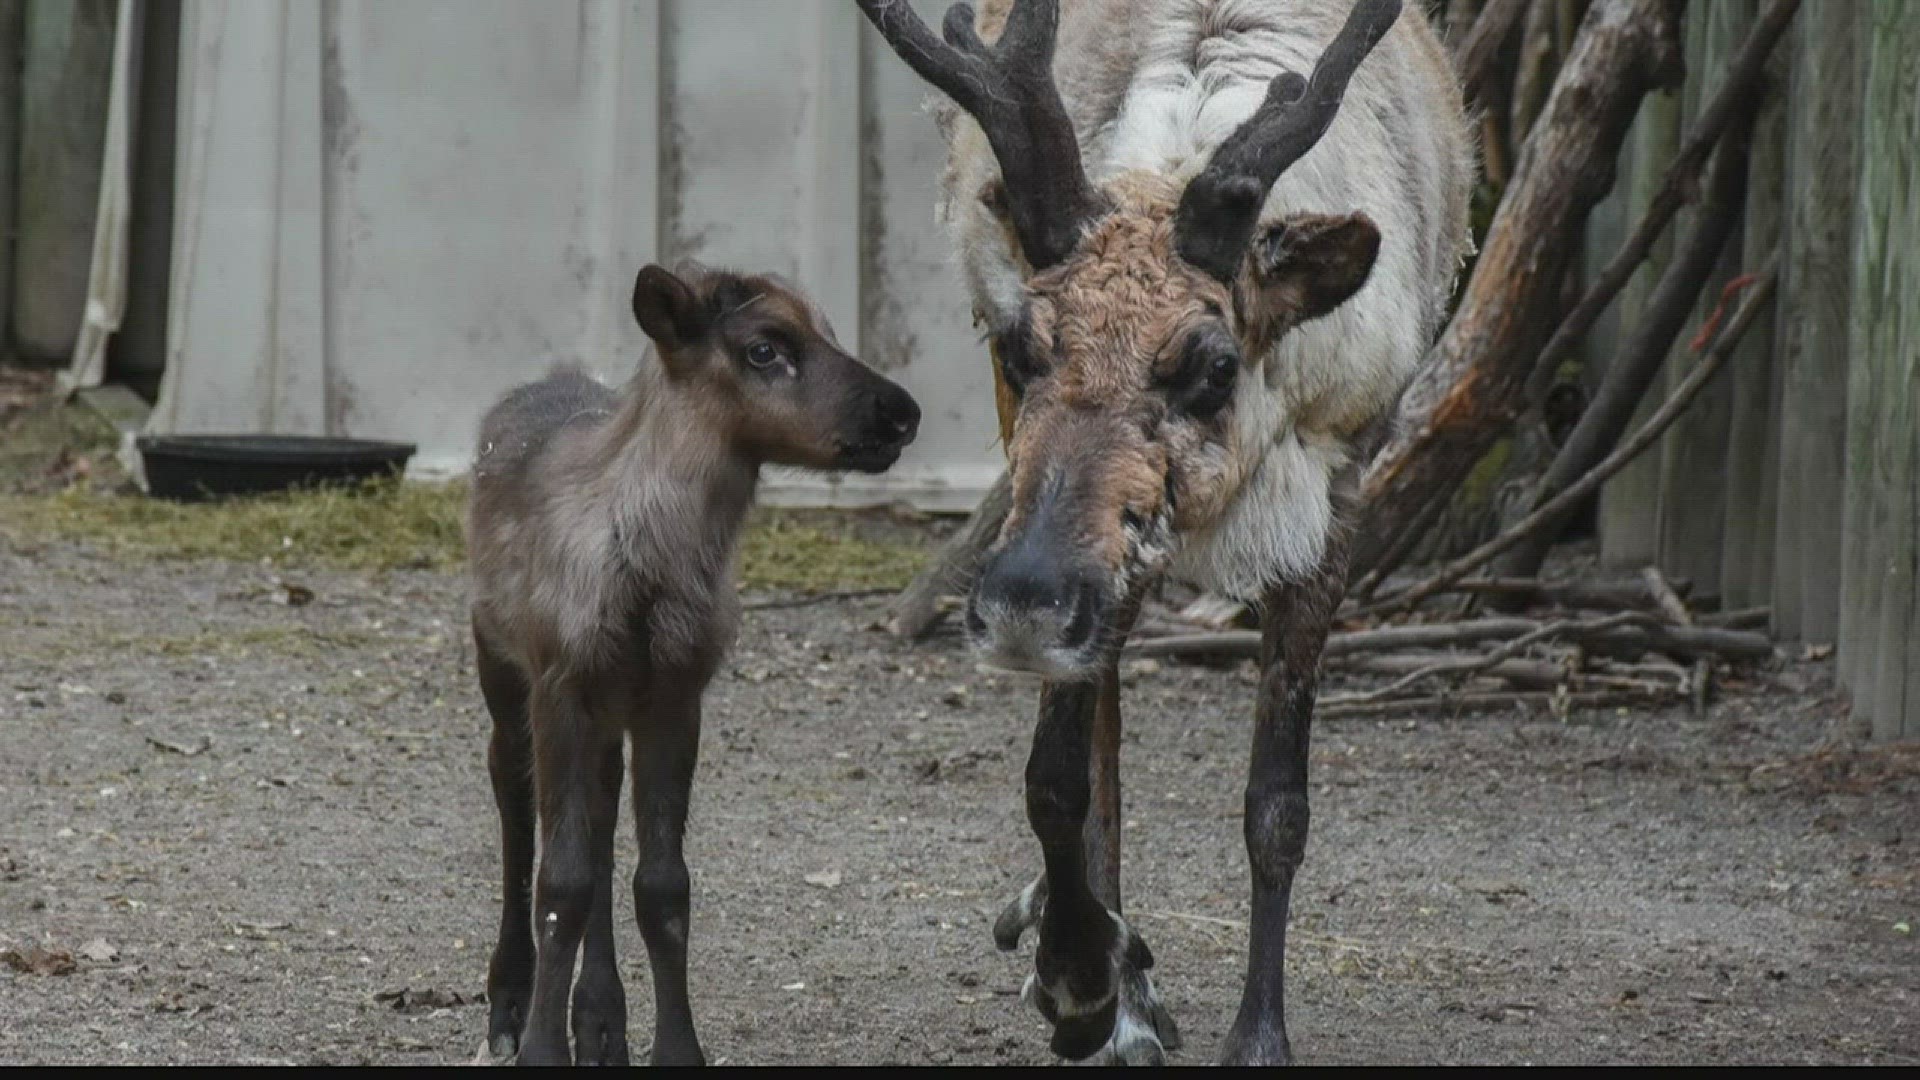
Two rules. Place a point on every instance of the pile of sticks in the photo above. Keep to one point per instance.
(1629, 642)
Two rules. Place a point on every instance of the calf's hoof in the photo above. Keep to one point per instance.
(534, 1053)
(676, 1053)
(506, 1017)
(1262, 1045)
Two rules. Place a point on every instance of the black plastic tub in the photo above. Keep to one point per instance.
(195, 468)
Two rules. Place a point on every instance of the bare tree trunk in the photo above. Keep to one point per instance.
(1630, 373)
(919, 608)
(1466, 395)
(1531, 82)
(1476, 51)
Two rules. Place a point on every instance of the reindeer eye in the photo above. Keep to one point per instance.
(1208, 381)
(763, 354)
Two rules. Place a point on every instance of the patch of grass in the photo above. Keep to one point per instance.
(41, 446)
(822, 551)
(380, 526)
(385, 526)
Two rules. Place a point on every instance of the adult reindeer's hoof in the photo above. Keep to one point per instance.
(1075, 983)
(1130, 1028)
(1143, 1030)
(1021, 915)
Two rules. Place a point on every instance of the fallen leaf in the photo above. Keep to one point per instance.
(293, 595)
(410, 1000)
(34, 960)
(824, 879)
(1496, 891)
(258, 929)
(199, 747)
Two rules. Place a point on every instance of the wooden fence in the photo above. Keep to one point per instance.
(1793, 482)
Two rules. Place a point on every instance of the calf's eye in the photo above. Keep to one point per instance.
(762, 354)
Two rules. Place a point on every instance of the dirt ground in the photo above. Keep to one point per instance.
(253, 823)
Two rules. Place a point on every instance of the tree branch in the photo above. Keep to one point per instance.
(1549, 512)
(1738, 96)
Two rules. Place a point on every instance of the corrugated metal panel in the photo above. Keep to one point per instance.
(390, 213)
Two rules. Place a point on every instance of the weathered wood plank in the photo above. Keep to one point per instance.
(1822, 152)
(1693, 492)
(1878, 540)
(1630, 502)
(1895, 713)
(1753, 447)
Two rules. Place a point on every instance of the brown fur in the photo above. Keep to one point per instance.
(1116, 316)
(600, 536)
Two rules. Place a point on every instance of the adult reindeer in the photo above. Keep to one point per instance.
(1205, 282)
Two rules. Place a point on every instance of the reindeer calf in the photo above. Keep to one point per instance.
(600, 536)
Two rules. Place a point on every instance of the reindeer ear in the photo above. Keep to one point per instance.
(1309, 264)
(667, 309)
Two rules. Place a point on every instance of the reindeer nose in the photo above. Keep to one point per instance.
(1027, 602)
(897, 412)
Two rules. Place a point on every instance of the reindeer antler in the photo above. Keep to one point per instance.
(1220, 207)
(1008, 87)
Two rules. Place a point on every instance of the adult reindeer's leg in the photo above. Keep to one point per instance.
(568, 748)
(1143, 1030)
(1293, 631)
(510, 764)
(666, 747)
(599, 1001)
(1076, 968)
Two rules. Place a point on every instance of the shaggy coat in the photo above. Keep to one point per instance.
(1152, 87)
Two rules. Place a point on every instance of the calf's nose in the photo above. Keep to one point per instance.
(897, 412)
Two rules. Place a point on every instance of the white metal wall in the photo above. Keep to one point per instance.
(388, 213)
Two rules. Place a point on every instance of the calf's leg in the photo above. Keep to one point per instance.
(510, 765)
(666, 748)
(1143, 1030)
(599, 1001)
(569, 747)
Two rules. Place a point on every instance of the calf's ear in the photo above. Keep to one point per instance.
(669, 311)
